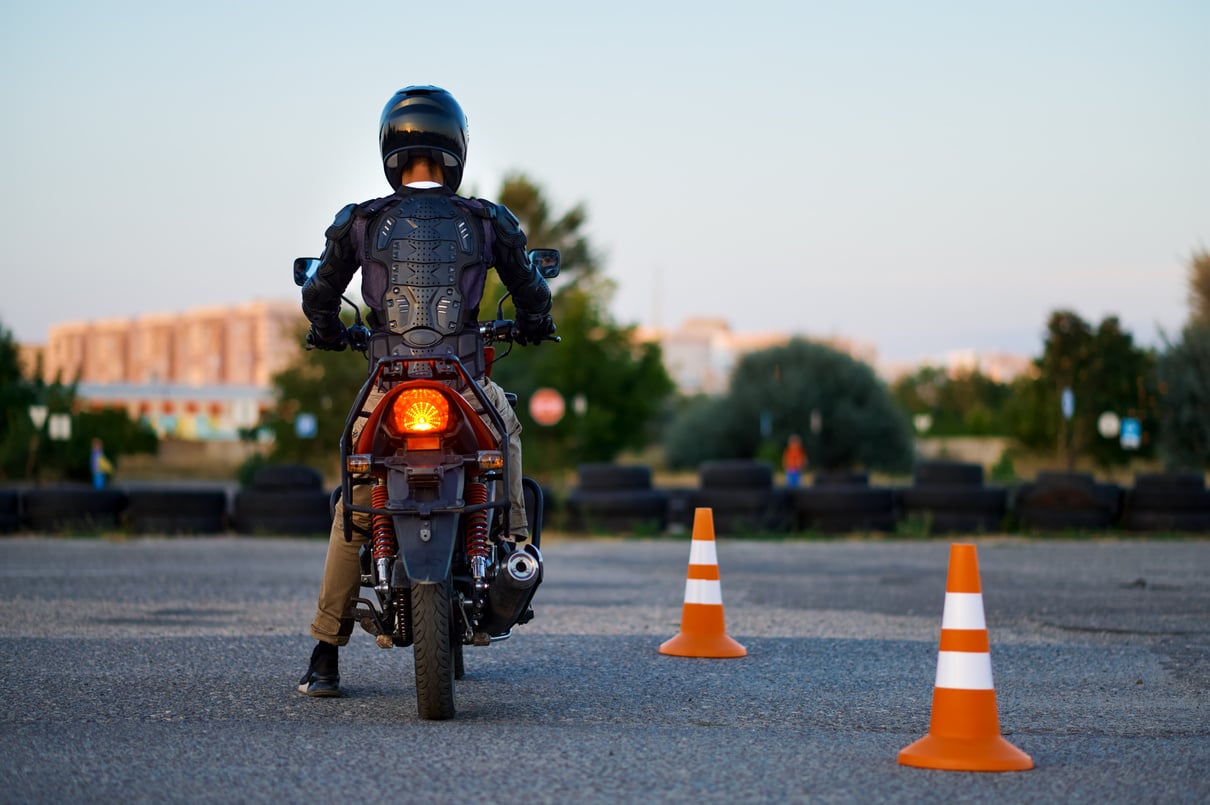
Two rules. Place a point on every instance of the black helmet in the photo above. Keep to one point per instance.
(423, 121)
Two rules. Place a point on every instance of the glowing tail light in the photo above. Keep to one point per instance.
(420, 411)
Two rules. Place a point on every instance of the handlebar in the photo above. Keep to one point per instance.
(503, 331)
(497, 331)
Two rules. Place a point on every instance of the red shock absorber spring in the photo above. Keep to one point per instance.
(476, 522)
(382, 542)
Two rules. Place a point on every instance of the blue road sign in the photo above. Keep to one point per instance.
(1132, 434)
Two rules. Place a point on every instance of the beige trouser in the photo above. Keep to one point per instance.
(342, 568)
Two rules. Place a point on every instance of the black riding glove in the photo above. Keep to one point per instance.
(334, 337)
(533, 329)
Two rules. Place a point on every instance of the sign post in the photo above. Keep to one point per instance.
(306, 426)
(37, 415)
(59, 427)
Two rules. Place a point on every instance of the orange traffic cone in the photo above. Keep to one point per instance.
(964, 733)
(703, 633)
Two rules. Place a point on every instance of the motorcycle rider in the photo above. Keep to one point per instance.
(424, 252)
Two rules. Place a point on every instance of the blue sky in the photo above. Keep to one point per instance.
(924, 176)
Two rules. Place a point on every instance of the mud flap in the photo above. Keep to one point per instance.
(427, 543)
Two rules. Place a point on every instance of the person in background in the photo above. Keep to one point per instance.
(101, 467)
(794, 460)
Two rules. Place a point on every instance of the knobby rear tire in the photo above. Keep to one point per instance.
(432, 650)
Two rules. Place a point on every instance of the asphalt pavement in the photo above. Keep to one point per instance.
(163, 670)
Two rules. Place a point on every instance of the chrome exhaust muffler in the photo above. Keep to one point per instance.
(512, 589)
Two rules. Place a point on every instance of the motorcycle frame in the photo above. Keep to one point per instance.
(443, 367)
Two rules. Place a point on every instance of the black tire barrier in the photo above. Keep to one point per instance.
(680, 507)
(1167, 502)
(10, 510)
(1173, 500)
(285, 512)
(1167, 521)
(642, 511)
(59, 509)
(956, 508)
(611, 477)
(937, 473)
(835, 508)
(286, 477)
(840, 478)
(740, 510)
(177, 511)
(1060, 500)
(1170, 481)
(735, 474)
(1064, 478)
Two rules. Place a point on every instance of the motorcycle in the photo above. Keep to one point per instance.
(439, 560)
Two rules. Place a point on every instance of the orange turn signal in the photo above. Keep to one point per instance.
(491, 460)
(358, 462)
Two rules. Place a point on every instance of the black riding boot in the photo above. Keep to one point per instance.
(323, 675)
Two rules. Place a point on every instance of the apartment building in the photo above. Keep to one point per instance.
(201, 373)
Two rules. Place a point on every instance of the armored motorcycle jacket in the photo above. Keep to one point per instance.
(424, 256)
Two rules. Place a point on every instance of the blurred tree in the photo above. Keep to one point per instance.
(615, 387)
(1121, 379)
(966, 404)
(845, 415)
(693, 433)
(1184, 379)
(1199, 288)
(1105, 371)
(1032, 412)
(1184, 385)
(27, 452)
(16, 396)
(1066, 356)
(322, 384)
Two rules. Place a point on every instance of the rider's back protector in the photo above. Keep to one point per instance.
(427, 244)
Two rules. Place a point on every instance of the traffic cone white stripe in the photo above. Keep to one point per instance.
(703, 591)
(963, 611)
(964, 670)
(702, 552)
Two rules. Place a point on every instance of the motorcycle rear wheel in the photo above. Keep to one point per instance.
(432, 650)
(456, 647)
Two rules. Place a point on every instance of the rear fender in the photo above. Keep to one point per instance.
(427, 538)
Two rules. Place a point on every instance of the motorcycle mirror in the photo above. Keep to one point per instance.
(545, 262)
(304, 269)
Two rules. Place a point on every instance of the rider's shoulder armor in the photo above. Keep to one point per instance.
(426, 242)
(504, 223)
(342, 223)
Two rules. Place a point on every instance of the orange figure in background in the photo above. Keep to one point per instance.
(794, 460)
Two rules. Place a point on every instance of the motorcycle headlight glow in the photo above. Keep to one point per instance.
(421, 411)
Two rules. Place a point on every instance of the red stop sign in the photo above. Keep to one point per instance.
(546, 406)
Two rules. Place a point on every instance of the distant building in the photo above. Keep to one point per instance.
(701, 354)
(1001, 367)
(203, 373)
(29, 357)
